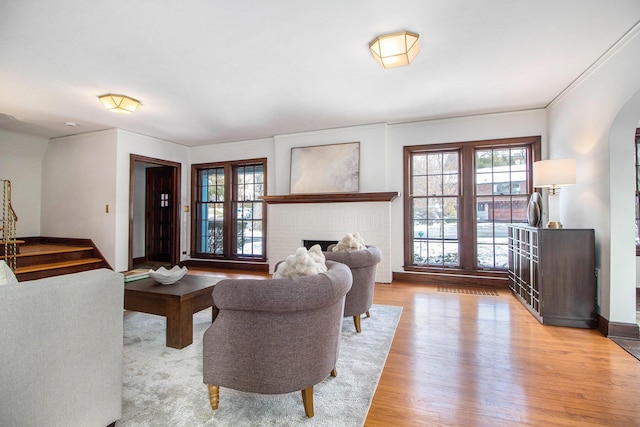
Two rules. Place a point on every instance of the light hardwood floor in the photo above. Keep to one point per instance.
(480, 360)
(468, 360)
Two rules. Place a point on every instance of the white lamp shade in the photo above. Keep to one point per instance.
(554, 173)
(395, 50)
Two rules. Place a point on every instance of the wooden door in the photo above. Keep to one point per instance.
(160, 203)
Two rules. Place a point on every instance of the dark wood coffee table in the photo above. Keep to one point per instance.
(177, 302)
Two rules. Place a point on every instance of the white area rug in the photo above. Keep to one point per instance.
(163, 386)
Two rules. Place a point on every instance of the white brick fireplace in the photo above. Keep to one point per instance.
(291, 220)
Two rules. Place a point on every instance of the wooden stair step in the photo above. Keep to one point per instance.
(55, 249)
(57, 265)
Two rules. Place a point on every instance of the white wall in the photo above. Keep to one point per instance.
(132, 143)
(594, 122)
(241, 150)
(21, 163)
(372, 140)
(78, 181)
(83, 173)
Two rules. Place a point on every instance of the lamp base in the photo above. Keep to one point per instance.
(554, 224)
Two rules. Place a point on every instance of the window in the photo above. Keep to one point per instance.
(637, 192)
(461, 199)
(229, 214)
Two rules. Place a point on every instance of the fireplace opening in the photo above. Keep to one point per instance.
(324, 244)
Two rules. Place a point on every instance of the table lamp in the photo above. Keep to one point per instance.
(553, 174)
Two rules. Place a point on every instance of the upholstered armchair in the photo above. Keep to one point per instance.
(275, 336)
(363, 263)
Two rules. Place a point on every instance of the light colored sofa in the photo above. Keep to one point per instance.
(275, 336)
(61, 350)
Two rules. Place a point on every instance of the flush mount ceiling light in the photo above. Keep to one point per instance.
(119, 103)
(396, 49)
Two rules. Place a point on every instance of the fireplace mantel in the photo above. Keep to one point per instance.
(332, 198)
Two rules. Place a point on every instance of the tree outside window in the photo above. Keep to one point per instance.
(461, 199)
(229, 214)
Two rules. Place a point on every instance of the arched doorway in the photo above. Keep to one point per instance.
(622, 185)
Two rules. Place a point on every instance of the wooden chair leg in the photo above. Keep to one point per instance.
(334, 372)
(356, 322)
(368, 315)
(307, 401)
(214, 396)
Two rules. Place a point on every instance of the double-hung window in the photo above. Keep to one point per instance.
(229, 213)
(461, 199)
(637, 231)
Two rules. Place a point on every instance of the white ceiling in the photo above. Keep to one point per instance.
(210, 71)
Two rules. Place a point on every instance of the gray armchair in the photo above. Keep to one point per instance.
(363, 264)
(275, 336)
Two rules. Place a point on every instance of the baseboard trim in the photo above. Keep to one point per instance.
(617, 329)
(229, 265)
(140, 261)
(498, 282)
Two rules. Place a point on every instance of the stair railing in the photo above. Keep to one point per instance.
(8, 226)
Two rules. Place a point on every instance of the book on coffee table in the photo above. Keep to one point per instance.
(136, 274)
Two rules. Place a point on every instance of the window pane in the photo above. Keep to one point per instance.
(434, 163)
(436, 229)
(450, 208)
(485, 256)
(484, 182)
(637, 228)
(501, 253)
(420, 251)
(419, 186)
(451, 254)
(435, 185)
(436, 254)
(502, 194)
(209, 211)
(500, 158)
(434, 208)
(450, 163)
(518, 156)
(435, 218)
(420, 208)
(450, 185)
(419, 164)
(420, 229)
(247, 226)
(519, 208)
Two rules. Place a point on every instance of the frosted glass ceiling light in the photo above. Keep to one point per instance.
(396, 49)
(553, 174)
(119, 103)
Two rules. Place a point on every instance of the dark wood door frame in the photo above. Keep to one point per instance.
(175, 217)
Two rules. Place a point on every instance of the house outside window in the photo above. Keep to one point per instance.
(461, 199)
(229, 220)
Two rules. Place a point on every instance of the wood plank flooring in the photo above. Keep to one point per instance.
(483, 360)
(476, 360)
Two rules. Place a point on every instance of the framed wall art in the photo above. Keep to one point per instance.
(333, 168)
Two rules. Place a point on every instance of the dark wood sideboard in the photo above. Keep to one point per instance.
(552, 273)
